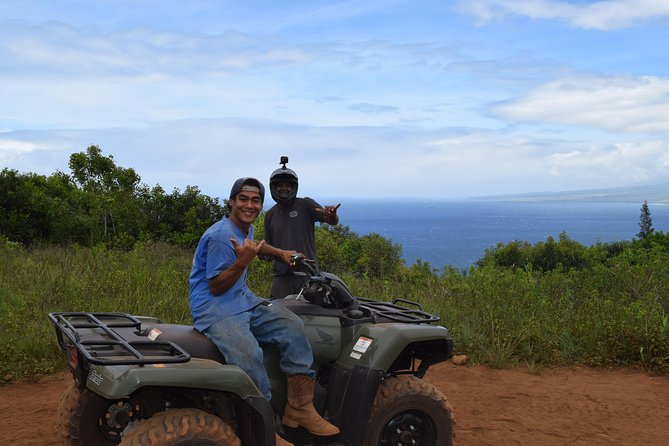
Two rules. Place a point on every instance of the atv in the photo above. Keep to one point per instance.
(138, 381)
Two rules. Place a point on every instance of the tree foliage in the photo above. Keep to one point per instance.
(563, 254)
(342, 250)
(566, 254)
(645, 222)
(100, 202)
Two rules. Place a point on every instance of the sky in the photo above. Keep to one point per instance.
(372, 99)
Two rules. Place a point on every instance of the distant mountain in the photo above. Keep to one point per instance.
(654, 194)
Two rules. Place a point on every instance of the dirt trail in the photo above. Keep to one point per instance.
(561, 406)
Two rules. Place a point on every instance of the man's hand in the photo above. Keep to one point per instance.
(269, 250)
(330, 214)
(285, 255)
(247, 251)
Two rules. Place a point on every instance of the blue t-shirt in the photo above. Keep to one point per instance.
(214, 254)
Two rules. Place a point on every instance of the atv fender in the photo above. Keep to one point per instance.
(115, 382)
(379, 346)
(256, 424)
(377, 351)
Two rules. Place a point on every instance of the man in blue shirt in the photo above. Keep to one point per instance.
(237, 321)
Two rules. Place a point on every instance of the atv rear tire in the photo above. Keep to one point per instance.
(410, 411)
(181, 427)
(85, 419)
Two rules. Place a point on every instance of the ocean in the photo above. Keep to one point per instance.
(458, 232)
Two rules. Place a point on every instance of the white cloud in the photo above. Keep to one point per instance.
(601, 15)
(10, 149)
(350, 161)
(331, 161)
(59, 50)
(373, 109)
(60, 76)
(617, 104)
(629, 163)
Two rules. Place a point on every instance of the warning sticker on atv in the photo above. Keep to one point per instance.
(153, 335)
(96, 377)
(361, 346)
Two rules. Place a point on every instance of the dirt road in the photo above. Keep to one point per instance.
(561, 406)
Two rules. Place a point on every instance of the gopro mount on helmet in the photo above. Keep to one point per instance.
(282, 176)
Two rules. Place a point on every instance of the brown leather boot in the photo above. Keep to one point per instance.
(300, 410)
(280, 441)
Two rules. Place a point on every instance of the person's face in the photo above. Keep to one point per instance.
(284, 187)
(245, 208)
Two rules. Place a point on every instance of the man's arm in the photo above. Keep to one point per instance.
(329, 214)
(281, 254)
(245, 252)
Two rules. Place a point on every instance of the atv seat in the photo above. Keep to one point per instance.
(188, 338)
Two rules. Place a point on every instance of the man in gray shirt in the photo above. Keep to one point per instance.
(289, 224)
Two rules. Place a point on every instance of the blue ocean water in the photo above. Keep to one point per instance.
(457, 233)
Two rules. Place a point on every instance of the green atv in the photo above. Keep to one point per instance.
(137, 381)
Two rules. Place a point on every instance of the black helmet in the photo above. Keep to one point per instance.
(283, 175)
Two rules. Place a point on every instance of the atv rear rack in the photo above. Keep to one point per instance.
(96, 337)
(398, 313)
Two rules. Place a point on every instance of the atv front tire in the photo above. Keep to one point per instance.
(86, 419)
(181, 427)
(410, 411)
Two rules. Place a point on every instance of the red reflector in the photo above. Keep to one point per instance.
(72, 356)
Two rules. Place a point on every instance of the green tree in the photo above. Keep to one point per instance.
(180, 217)
(111, 191)
(515, 254)
(15, 208)
(38, 208)
(564, 254)
(645, 222)
(97, 173)
(379, 257)
(100, 202)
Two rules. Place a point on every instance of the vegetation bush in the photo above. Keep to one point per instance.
(100, 203)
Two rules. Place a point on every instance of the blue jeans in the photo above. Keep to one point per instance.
(239, 337)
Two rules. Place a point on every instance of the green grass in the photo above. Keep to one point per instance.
(615, 314)
(151, 280)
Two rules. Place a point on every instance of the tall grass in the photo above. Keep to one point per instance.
(151, 280)
(616, 314)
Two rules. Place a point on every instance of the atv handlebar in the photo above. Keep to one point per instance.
(298, 260)
(320, 288)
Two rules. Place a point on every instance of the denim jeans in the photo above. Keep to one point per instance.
(239, 337)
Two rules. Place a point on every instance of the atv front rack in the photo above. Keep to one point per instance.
(112, 339)
(398, 313)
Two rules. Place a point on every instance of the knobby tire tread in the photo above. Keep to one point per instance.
(178, 425)
(393, 390)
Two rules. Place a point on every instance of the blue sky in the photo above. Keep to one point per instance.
(391, 98)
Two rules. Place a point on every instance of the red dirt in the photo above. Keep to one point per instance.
(561, 406)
